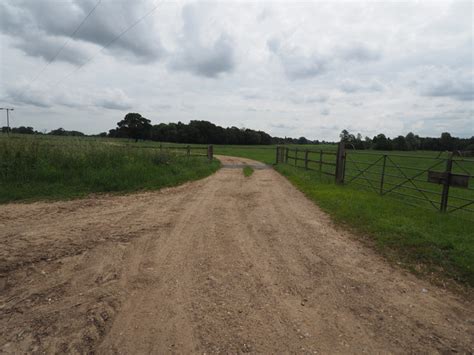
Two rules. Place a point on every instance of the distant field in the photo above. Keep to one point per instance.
(265, 153)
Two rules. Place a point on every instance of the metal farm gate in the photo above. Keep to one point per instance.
(443, 182)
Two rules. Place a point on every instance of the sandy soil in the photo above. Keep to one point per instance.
(227, 264)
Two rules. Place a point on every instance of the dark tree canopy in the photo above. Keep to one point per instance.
(409, 142)
(135, 126)
(204, 132)
(63, 132)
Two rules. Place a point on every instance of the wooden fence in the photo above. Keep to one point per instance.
(444, 183)
(188, 150)
(323, 161)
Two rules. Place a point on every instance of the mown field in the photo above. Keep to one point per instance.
(409, 230)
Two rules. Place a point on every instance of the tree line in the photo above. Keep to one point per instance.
(31, 130)
(135, 126)
(195, 132)
(409, 142)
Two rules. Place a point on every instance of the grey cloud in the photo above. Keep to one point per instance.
(310, 52)
(358, 52)
(308, 99)
(35, 45)
(113, 105)
(325, 112)
(264, 14)
(163, 107)
(113, 99)
(20, 94)
(296, 64)
(316, 98)
(40, 96)
(351, 86)
(460, 90)
(251, 94)
(193, 56)
(445, 82)
(37, 24)
(283, 126)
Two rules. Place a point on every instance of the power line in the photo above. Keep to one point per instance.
(8, 109)
(65, 43)
(120, 35)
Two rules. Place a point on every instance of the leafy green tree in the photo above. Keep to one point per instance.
(399, 143)
(412, 141)
(135, 126)
(346, 137)
(302, 140)
(380, 142)
(446, 141)
(23, 130)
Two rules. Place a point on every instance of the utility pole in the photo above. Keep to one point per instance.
(8, 117)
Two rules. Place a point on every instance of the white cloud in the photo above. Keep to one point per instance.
(113, 99)
(39, 95)
(446, 82)
(361, 84)
(199, 56)
(296, 63)
(40, 28)
(303, 69)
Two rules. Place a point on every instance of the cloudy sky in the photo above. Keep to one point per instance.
(289, 68)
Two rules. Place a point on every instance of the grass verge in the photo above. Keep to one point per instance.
(31, 170)
(424, 241)
(247, 170)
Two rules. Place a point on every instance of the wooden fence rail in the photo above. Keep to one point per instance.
(319, 157)
(429, 179)
(208, 151)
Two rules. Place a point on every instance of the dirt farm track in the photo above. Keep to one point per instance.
(227, 264)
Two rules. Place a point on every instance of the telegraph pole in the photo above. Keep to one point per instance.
(8, 109)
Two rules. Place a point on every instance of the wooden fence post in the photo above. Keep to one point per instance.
(286, 155)
(383, 173)
(320, 161)
(296, 156)
(445, 194)
(306, 159)
(340, 163)
(277, 154)
(210, 152)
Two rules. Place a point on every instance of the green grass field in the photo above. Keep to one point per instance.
(62, 168)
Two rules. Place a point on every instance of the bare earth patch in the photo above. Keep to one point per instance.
(224, 264)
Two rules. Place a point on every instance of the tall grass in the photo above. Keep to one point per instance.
(36, 168)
